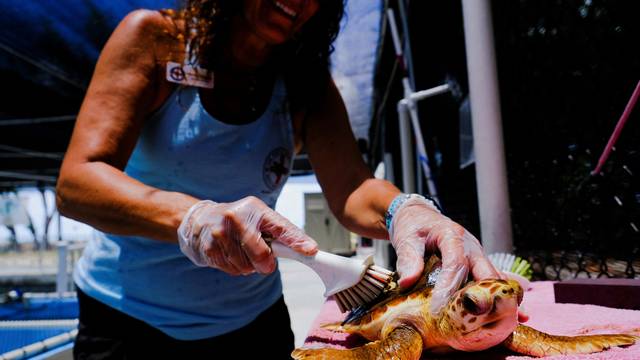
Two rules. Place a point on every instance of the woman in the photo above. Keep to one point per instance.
(186, 136)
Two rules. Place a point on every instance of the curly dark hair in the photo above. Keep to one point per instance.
(304, 60)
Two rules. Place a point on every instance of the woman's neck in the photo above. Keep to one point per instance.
(247, 50)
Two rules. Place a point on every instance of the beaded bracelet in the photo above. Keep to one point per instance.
(401, 199)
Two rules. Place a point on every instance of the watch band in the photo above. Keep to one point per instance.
(401, 199)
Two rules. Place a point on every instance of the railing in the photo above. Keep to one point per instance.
(68, 255)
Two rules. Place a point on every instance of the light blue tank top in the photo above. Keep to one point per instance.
(182, 148)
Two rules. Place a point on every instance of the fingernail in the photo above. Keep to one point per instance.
(407, 270)
(309, 248)
(407, 278)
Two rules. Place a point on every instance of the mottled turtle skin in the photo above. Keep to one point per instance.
(478, 316)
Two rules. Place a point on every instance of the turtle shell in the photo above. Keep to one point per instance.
(393, 294)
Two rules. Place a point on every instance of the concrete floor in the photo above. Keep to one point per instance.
(303, 291)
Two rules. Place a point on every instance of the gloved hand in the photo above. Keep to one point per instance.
(228, 236)
(416, 226)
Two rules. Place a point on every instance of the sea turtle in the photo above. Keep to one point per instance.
(478, 316)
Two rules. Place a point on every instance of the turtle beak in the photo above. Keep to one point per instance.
(476, 306)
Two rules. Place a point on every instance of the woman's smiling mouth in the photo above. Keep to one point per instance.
(287, 10)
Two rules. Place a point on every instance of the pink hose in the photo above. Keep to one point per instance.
(617, 130)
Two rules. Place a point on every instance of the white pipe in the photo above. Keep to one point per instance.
(38, 324)
(40, 346)
(491, 174)
(394, 32)
(48, 295)
(423, 94)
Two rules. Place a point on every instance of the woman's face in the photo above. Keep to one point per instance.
(276, 21)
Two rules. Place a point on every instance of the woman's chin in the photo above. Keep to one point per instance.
(274, 35)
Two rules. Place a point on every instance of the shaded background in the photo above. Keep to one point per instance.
(566, 76)
(566, 70)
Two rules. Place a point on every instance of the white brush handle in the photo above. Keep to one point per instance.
(337, 272)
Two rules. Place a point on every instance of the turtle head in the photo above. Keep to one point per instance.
(482, 314)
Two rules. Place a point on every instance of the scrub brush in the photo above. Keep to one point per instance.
(352, 282)
(514, 267)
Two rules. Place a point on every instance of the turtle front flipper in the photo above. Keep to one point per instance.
(403, 342)
(529, 341)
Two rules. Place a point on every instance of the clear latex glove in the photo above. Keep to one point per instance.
(417, 226)
(228, 236)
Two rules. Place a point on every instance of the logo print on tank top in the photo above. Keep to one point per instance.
(276, 167)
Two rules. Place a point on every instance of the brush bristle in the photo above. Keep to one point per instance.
(367, 290)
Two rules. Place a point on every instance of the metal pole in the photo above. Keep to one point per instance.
(37, 120)
(617, 130)
(408, 57)
(25, 176)
(422, 151)
(406, 150)
(62, 279)
(408, 105)
(491, 174)
(59, 218)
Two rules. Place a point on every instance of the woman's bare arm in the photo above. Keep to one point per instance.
(358, 200)
(126, 86)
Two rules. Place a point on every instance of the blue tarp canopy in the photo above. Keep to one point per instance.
(54, 45)
(48, 50)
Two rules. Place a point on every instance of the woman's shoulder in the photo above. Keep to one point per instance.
(150, 24)
(140, 46)
(159, 31)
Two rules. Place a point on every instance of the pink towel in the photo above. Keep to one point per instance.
(546, 315)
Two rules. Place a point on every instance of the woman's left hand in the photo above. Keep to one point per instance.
(417, 226)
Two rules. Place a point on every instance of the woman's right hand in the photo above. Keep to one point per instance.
(228, 236)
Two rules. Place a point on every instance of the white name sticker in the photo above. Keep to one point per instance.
(189, 75)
